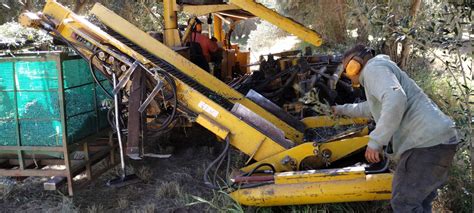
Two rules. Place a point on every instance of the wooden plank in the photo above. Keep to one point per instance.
(77, 167)
(54, 183)
(32, 172)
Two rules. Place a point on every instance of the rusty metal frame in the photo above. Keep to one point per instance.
(96, 147)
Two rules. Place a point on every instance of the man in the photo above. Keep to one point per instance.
(207, 46)
(423, 138)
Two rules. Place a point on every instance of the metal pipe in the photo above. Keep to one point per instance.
(367, 188)
(117, 126)
(218, 28)
(171, 35)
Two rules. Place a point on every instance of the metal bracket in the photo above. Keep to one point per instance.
(150, 97)
(255, 152)
(125, 77)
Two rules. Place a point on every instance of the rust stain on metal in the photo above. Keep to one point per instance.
(269, 192)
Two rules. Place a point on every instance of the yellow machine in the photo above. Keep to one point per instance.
(272, 140)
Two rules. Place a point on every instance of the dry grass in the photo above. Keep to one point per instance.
(219, 202)
(67, 205)
(182, 177)
(148, 208)
(96, 208)
(145, 174)
(122, 203)
(168, 190)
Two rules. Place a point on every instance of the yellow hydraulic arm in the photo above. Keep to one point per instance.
(280, 21)
(257, 10)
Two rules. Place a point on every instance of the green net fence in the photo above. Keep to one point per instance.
(30, 100)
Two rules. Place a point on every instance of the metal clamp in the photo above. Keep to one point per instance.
(125, 77)
(152, 95)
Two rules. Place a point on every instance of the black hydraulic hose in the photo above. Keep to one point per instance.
(251, 185)
(91, 69)
(277, 92)
(227, 178)
(265, 82)
(61, 37)
(170, 118)
(168, 121)
(260, 166)
(218, 167)
(219, 158)
(111, 120)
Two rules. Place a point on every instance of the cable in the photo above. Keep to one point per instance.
(219, 158)
(91, 69)
(168, 78)
(110, 118)
(50, 27)
(170, 118)
(259, 166)
(282, 88)
(252, 185)
(254, 170)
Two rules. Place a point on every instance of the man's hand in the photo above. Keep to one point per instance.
(372, 155)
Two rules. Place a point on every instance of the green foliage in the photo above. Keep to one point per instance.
(323, 16)
(220, 202)
(258, 38)
(457, 194)
(14, 36)
(11, 9)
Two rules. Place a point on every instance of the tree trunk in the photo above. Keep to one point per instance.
(415, 6)
(340, 10)
(27, 5)
(79, 5)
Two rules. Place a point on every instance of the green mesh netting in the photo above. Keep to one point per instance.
(6, 76)
(8, 131)
(79, 99)
(75, 73)
(38, 105)
(36, 75)
(40, 133)
(34, 84)
(81, 126)
(7, 106)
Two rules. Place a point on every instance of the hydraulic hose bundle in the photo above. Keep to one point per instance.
(225, 155)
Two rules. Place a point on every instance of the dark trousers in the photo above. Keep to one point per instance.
(419, 173)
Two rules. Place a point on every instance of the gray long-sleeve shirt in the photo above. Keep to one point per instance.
(400, 109)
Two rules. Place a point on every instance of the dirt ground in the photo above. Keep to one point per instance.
(167, 185)
(173, 184)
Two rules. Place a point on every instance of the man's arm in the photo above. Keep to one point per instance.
(354, 110)
(381, 83)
